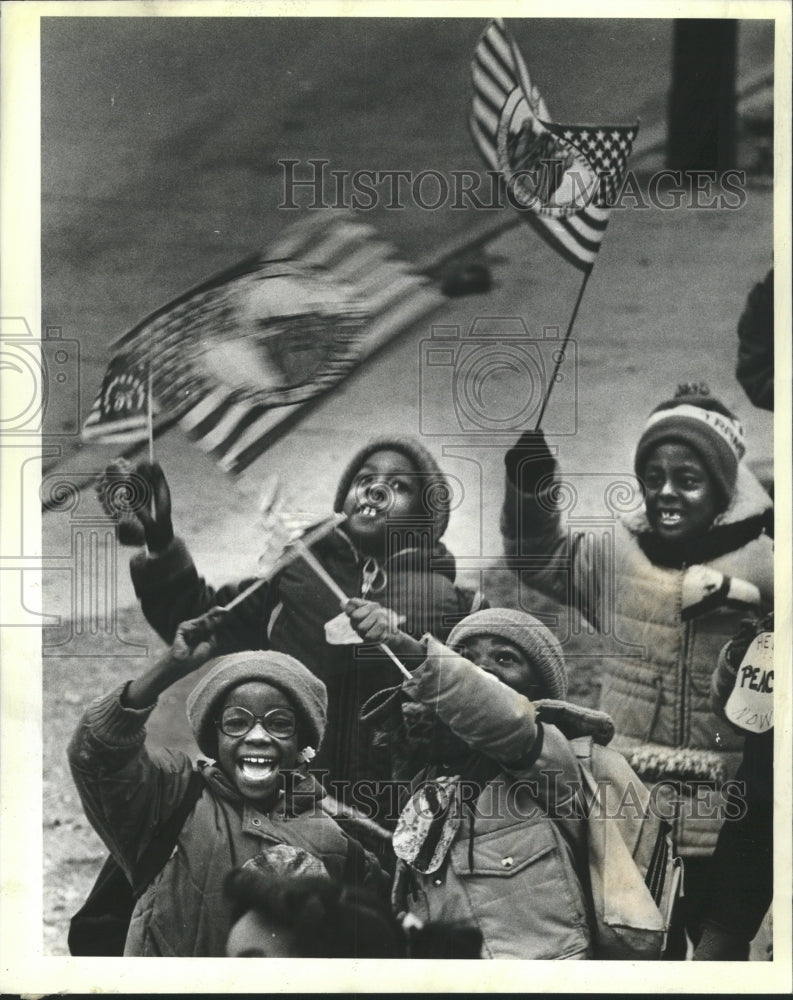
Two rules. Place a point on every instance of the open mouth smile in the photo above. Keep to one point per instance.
(669, 518)
(257, 768)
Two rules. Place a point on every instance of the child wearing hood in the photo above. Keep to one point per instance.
(253, 713)
(390, 481)
(493, 832)
(685, 569)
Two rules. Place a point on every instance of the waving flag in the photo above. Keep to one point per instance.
(563, 178)
(242, 353)
(120, 411)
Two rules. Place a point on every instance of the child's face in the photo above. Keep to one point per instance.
(254, 936)
(504, 660)
(257, 738)
(680, 496)
(386, 485)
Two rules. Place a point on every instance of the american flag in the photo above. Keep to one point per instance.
(562, 178)
(120, 411)
(236, 356)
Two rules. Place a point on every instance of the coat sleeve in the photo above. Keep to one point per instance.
(171, 591)
(125, 793)
(497, 721)
(563, 565)
(755, 365)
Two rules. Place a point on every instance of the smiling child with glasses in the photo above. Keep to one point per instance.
(260, 716)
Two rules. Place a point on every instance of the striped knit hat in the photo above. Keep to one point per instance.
(436, 492)
(697, 419)
(540, 645)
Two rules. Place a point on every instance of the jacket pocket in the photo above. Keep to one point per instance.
(523, 892)
(501, 853)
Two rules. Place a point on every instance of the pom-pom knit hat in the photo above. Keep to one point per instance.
(697, 419)
(436, 492)
(539, 644)
(306, 692)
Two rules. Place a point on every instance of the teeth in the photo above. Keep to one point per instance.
(368, 511)
(257, 768)
(669, 517)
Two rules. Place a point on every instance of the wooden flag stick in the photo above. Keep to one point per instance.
(561, 352)
(150, 414)
(309, 557)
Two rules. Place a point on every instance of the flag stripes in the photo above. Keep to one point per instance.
(236, 432)
(499, 75)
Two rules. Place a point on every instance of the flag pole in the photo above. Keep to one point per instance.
(560, 354)
(150, 412)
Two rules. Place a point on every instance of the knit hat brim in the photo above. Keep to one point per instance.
(288, 675)
(436, 492)
(538, 643)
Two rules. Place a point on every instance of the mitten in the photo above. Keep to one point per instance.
(529, 460)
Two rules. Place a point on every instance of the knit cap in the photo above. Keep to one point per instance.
(540, 645)
(697, 419)
(436, 493)
(306, 692)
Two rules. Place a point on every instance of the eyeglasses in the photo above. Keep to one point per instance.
(236, 722)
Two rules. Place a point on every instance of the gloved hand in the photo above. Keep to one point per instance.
(530, 458)
(126, 496)
(157, 525)
(119, 490)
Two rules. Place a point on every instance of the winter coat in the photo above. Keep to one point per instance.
(289, 615)
(742, 867)
(754, 368)
(126, 792)
(676, 618)
(511, 870)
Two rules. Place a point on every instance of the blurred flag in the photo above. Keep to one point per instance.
(564, 178)
(242, 352)
(282, 522)
(120, 411)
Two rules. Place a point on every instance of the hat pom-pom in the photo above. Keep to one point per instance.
(692, 389)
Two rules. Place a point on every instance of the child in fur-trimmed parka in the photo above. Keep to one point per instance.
(396, 501)
(492, 831)
(686, 568)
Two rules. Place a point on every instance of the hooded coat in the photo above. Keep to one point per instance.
(289, 614)
(672, 618)
(127, 793)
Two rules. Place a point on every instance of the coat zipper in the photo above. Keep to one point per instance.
(684, 666)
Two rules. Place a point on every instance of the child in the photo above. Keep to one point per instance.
(391, 481)
(494, 833)
(305, 917)
(255, 713)
(686, 568)
(741, 872)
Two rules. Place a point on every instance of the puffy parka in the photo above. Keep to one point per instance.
(670, 622)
